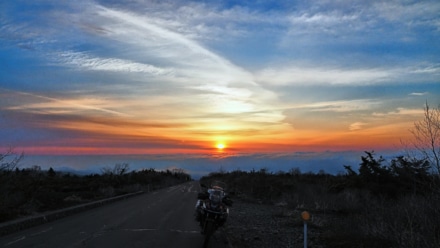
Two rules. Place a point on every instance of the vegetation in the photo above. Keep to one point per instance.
(32, 190)
(426, 134)
(383, 203)
(394, 205)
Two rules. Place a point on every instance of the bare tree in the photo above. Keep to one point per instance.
(7, 164)
(426, 134)
(118, 169)
(121, 169)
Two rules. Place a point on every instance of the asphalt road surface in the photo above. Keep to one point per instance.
(162, 218)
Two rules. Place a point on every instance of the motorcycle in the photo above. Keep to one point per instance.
(212, 209)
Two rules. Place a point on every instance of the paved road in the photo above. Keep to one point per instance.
(162, 218)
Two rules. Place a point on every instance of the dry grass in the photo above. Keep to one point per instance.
(349, 216)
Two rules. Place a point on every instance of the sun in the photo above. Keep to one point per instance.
(220, 146)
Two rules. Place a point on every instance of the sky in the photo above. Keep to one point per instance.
(182, 77)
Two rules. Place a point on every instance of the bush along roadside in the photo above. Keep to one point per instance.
(384, 204)
(31, 191)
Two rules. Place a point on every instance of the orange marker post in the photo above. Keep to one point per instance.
(305, 216)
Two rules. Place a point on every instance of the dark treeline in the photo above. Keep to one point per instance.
(32, 190)
(383, 204)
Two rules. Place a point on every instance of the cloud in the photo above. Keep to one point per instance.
(400, 112)
(291, 75)
(340, 106)
(345, 106)
(82, 60)
(321, 22)
(356, 126)
(206, 22)
(148, 33)
(418, 13)
(215, 83)
(419, 93)
(172, 71)
(148, 39)
(187, 83)
(295, 74)
(50, 105)
(340, 20)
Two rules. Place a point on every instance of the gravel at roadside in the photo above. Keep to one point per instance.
(258, 225)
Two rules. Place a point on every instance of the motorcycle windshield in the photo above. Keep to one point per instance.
(218, 185)
(216, 197)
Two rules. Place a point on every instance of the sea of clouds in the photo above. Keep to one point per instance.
(200, 165)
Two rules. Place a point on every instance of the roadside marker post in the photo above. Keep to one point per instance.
(305, 217)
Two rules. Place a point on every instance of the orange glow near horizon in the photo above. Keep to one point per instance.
(157, 83)
(377, 139)
(128, 136)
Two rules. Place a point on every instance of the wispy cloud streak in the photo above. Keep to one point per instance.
(260, 75)
(86, 62)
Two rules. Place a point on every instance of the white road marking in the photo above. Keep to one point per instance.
(153, 229)
(15, 241)
(38, 233)
(172, 188)
(182, 231)
(140, 230)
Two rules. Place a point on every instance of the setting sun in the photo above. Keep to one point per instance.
(179, 89)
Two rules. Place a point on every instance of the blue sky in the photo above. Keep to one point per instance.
(143, 77)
